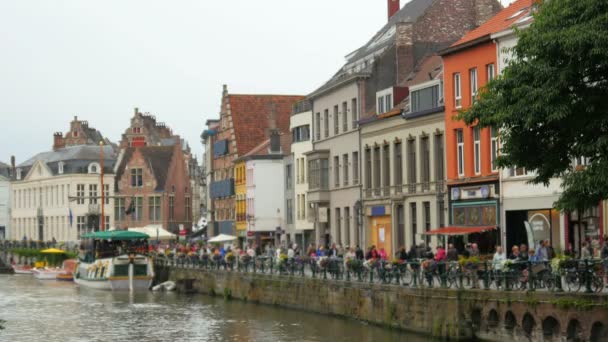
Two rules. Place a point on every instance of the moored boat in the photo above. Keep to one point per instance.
(115, 262)
(22, 269)
(46, 273)
(67, 273)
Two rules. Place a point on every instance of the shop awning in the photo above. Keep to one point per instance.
(459, 230)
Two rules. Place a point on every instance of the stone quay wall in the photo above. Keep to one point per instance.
(454, 314)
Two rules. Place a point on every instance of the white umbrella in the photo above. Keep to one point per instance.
(222, 238)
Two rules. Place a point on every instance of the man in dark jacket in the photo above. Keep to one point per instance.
(452, 253)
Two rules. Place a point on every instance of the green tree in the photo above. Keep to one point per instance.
(551, 102)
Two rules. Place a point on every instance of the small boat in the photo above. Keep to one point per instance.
(46, 273)
(22, 269)
(117, 263)
(166, 286)
(67, 273)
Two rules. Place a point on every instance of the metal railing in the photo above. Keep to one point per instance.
(567, 276)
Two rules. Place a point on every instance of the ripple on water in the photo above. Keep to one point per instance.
(52, 311)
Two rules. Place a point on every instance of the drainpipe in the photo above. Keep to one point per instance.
(360, 223)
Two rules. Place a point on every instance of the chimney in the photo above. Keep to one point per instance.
(13, 170)
(275, 142)
(393, 7)
(224, 90)
(135, 111)
(58, 141)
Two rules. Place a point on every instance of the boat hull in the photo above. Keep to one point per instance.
(113, 273)
(45, 274)
(22, 270)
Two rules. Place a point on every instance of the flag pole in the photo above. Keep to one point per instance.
(103, 192)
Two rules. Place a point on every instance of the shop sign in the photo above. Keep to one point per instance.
(323, 214)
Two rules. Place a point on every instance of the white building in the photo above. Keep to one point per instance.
(522, 201)
(265, 189)
(56, 187)
(300, 123)
(5, 201)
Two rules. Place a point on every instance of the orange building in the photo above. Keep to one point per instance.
(473, 179)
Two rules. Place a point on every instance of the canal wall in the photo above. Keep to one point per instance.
(453, 314)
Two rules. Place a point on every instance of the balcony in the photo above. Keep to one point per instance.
(223, 188)
(405, 189)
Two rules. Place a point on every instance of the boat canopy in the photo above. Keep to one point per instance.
(52, 251)
(116, 235)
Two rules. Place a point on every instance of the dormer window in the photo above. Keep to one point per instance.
(60, 168)
(425, 96)
(94, 168)
(19, 174)
(384, 101)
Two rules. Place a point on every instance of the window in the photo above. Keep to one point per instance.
(107, 223)
(318, 126)
(441, 213)
(318, 174)
(494, 147)
(138, 208)
(490, 72)
(460, 152)
(355, 168)
(288, 177)
(427, 219)
(289, 211)
(517, 172)
(137, 178)
(353, 107)
(171, 207)
(380, 104)
(345, 169)
(92, 193)
(60, 167)
(119, 209)
(300, 133)
(439, 166)
(136, 130)
(457, 91)
(411, 162)
(376, 166)
(473, 83)
(398, 165)
(346, 239)
(368, 168)
(94, 168)
(154, 208)
(106, 193)
(344, 117)
(338, 237)
(425, 160)
(324, 173)
(386, 169)
(477, 149)
(336, 171)
(187, 208)
(336, 120)
(414, 223)
(326, 122)
(423, 99)
(388, 102)
(81, 226)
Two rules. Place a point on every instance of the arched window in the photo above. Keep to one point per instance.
(94, 168)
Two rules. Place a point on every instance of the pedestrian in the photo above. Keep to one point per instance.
(543, 254)
(359, 253)
(402, 254)
(515, 255)
(523, 252)
(586, 251)
(604, 256)
(452, 253)
(550, 250)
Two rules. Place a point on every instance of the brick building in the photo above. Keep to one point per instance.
(243, 125)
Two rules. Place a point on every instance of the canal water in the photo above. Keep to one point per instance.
(59, 311)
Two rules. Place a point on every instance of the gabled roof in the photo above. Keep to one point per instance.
(251, 113)
(158, 159)
(384, 38)
(263, 148)
(505, 19)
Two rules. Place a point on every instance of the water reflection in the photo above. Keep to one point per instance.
(58, 311)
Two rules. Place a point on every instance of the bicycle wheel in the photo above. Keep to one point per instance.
(573, 282)
(597, 284)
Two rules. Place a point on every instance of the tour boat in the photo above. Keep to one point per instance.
(109, 267)
(67, 274)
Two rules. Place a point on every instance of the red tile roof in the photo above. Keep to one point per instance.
(263, 148)
(501, 21)
(250, 117)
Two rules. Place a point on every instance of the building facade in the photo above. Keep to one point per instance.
(300, 125)
(57, 194)
(404, 193)
(5, 200)
(243, 125)
(153, 188)
(473, 177)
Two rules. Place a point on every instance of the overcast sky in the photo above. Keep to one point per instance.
(100, 59)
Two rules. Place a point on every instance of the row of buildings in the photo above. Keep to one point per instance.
(86, 183)
(374, 156)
